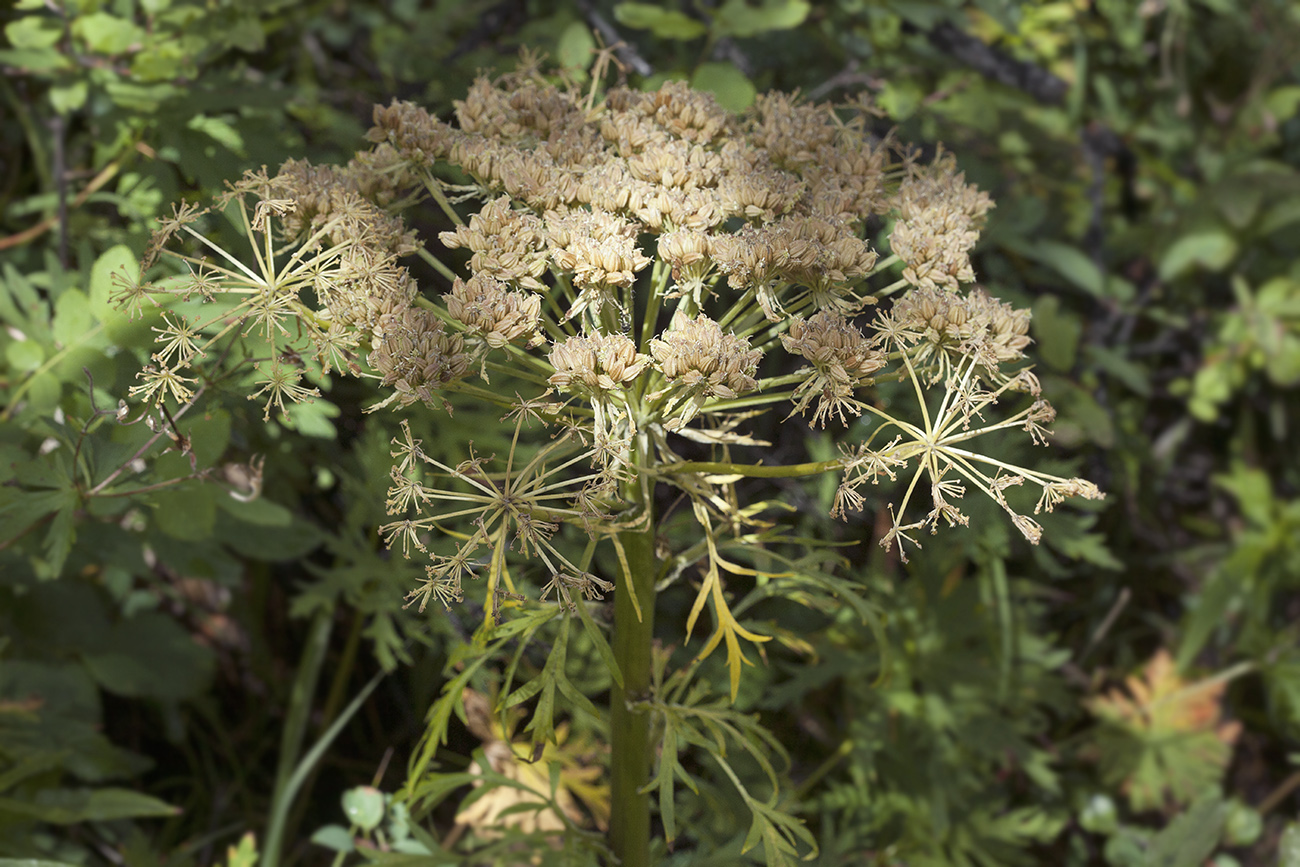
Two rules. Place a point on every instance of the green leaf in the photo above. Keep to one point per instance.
(733, 90)
(271, 541)
(72, 317)
(1057, 333)
(602, 646)
(740, 18)
(1288, 848)
(34, 32)
(664, 23)
(312, 418)
(575, 47)
(260, 512)
(69, 806)
(219, 130)
(209, 437)
(24, 355)
(150, 656)
(187, 512)
(61, 535)
(1190, 838)
(334, 837)
(120, 329)
(21, 509)
(1212, 249)
(364, 807)
(68, 98)
(1072, 264)
(106, 34)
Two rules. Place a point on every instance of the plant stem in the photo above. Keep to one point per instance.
(630, 730)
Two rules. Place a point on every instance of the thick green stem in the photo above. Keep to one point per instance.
(634, 608)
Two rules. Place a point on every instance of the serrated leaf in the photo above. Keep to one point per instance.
(1166, 743)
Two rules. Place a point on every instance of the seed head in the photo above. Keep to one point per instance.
(596, 364)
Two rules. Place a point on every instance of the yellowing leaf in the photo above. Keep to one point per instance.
(1164, 741)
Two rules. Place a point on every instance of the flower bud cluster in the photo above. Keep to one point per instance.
(595, 364)
(696, 352)
(762, 223)
(598, 248)
(415, 356)
(946, 324)
(492, 312)
(507, 244)
(842, 359)
(939, 221)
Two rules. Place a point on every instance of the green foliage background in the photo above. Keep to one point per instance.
(170, 655)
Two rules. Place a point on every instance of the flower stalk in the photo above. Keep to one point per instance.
(630, 747)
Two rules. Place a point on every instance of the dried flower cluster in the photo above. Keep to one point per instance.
(648, 268)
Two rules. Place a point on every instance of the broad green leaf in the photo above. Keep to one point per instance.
(1072, 264)
(1212, 249)
(21, 509)
(312, 418)
(106, 34)
(1190, 838)
(67, 98)
(36, 60)
(62, 534)
(145, 98)
(575, 47)
(743, 19)
(733, 90)
(24, 356)
(1057, 333)
(34, 32)
(1282, 102)
(219, 130)
(209, 436)
(150, 656)
(1288, 848)
(1117, 363)
(121, 330)
(664, 23)
(271, 541)
(364, 807)
(72, 317)
(261, 511)
(69, 806)
(64, 689)
(187, 511)
(900, 98)
(333, 837)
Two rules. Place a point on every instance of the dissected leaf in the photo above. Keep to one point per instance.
(1163, 739)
